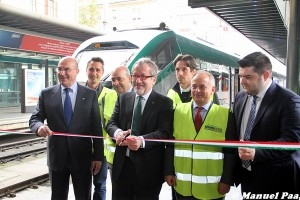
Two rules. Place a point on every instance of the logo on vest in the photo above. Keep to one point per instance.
(213, 128)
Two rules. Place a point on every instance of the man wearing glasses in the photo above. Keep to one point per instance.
(144, 114)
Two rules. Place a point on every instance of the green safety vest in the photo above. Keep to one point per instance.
(199, 168)
(176, 98)
(108, 108)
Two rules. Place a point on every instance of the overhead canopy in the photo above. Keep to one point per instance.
(10, 17)
(258, 20)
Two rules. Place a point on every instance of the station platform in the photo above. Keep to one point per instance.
(15, 174)
(12, 118)
(30, 168)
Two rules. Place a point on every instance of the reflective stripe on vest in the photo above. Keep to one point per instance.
(198, 179)
(198, 155)
(111, 149)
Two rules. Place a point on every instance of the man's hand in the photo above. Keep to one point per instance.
(170, 180)
(223, 188)
(121, 137)
(95, 167)
(134, 142)
(246, 153)
(44, 131)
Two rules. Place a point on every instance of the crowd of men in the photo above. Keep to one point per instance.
(144, 138)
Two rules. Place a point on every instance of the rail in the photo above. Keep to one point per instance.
(21, 149)
(17, 151)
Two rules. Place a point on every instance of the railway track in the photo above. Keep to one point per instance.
(15, 150)
(20, 144)
(19, 150)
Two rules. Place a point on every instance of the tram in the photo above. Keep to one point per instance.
(124, 48)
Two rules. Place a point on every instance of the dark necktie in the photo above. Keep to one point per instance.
(68, 111)
(137, 113)
(198, 119)
(186, 97)
(247, 163)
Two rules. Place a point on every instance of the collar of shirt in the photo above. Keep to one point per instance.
(205, 106)
(73, 88)
(72, 93)
(185, 90)
(203, 112)
(145, 96)
(144, 99)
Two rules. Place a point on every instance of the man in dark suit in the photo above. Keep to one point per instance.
(276, 118)
(78, 157)
(138, 163)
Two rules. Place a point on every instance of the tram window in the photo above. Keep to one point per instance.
(217, 80)
(162, 54)
(225, 82)
(160, 60)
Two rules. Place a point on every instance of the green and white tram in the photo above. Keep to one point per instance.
(124, 48)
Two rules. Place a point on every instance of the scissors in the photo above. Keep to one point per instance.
(127, 134)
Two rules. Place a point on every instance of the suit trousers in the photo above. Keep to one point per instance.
(82, 182)
(127, 186)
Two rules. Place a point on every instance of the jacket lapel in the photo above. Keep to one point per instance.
(241, 108)
(56, 99)
(266, 102)
(149, 107)
(129, 109)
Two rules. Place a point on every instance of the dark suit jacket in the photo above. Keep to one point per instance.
(156, 123)
(86, 120)
(277, 120)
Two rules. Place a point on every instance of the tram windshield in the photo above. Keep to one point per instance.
(112, 59)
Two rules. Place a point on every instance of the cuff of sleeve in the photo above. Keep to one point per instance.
(143, 142)
(116, 132)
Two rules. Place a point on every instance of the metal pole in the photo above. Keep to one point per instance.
(293, 63)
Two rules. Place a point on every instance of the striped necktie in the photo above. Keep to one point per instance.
(247, 163)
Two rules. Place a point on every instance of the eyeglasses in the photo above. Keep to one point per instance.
(66, 70)
(141, 77)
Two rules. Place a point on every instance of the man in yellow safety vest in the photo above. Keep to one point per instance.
(94, 71)
(200, 171)
(121, 82)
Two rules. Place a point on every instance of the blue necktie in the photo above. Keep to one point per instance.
(137, 113)
(247, 163)
(68, 111)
